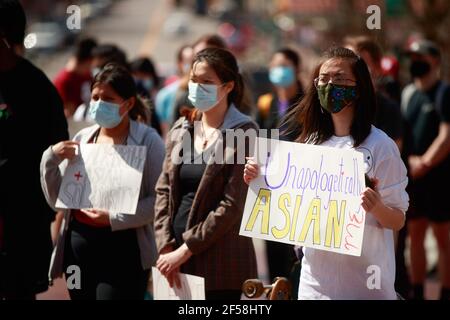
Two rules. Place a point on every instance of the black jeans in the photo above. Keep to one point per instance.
(109, 263)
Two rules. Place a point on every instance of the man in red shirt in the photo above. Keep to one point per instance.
(73, 82)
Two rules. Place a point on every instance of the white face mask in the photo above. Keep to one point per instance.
(203, 96)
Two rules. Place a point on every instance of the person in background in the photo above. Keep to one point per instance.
(388, 115)
(73, 82)
(147, 83)
(146, 78)
(389, 84)
(337, 111)
(199, 203)
(30, 106)
(183, 65)
(426, 108)
(107, 53)
(284, 74)
(114, 251)
(165, 99)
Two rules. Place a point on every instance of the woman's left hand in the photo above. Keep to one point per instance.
(173, 260)
(94, 217)
(371, 200)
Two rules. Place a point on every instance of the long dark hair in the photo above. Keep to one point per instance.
(120, 79)
(225, 66)
(316, 125)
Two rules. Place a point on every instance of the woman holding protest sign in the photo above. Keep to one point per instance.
(337, 111)
(200, 193)
(113, 251)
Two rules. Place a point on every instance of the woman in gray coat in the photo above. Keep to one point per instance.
(113, 251)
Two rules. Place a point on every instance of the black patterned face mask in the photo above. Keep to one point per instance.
(334, 98)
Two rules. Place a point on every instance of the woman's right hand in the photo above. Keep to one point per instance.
(66, 149)
(251, 170)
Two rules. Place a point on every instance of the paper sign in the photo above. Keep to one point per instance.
(106, 177)
(306, 195)
(192, 287)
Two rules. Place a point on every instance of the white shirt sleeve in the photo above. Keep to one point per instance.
(392, 179)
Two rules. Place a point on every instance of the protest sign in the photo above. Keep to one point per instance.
(306, 195)
(105, 177)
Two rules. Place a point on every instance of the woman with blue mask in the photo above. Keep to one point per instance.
(337, 111)
(113, 250)
(200, 197)
(284, 72)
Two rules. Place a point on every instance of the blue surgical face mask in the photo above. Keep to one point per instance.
(203, 96)
(105, 114)
(282, 76)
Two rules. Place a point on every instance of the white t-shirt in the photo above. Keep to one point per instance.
(328, 275)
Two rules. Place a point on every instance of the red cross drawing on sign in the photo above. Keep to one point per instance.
(78, 176)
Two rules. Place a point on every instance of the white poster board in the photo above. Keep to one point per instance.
(192, 287)
(306, 195)
(105, 177)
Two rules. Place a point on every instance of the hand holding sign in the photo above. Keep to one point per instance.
(371, 200)
(103, 176)
(172, 260)
(93, 217)
(66, 149)
(251, 170)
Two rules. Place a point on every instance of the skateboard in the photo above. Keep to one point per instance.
(279, 290)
